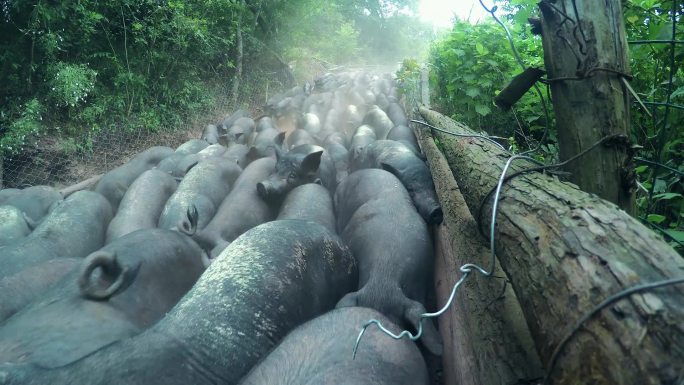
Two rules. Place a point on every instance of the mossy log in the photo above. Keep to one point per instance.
(565, 251)
(486, 339)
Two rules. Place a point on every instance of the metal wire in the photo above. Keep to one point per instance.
(605, 303)
(460, 135)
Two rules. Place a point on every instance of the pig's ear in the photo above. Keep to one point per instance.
(280, 139)
(389, 168)
(311, 162)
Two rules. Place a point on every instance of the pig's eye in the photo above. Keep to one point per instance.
(293, 175)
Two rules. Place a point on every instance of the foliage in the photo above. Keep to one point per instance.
(467, 74)
(24, 130)
(466, 81)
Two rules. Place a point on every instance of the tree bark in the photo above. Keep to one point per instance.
(588, 42)
(238, 64)
(486, 339)
(565, 251)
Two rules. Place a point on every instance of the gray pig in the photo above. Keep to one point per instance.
(303, 164)
(13, 225)
(241, 210)
(319, 352)
(204, 187)
(114, 184)
(270, 280)
(75, 228)
(141, 276)
(393, 247)
(311, 202)
(142, 204)
(24, 287)
(35, 202)
(401, 161)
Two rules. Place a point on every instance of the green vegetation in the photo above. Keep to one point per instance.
(72, 68)
(473, 62)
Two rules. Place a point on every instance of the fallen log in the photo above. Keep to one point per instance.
(565, 251)
(486, 339)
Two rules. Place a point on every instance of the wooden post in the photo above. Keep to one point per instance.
(585, 54)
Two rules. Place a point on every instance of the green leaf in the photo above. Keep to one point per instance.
(677, 235)
(473, 92)
(482, 109)
(641, 169)
(480, 48)
(655, 218)
(667, 196)
(632, 19)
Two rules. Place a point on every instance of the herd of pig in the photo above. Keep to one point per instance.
(253, 255)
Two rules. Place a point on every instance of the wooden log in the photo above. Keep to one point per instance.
(486, 339)
(585, 55)
(565, 251)
(88, 183)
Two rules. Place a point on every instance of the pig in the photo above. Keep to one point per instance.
(237, 153)
(13, 225)
(397, 115)
(402, 133)
(230, 120)
(302, 164)
(319, 352)
(378, 119)
(241, 210)
(35, 202)
(211, 134)
(340, 157)
(265, 123)
(311, 202)
(309, 123)
(353, 119)
(192, 146)
(382, 101)
(204, 187)
(398, 159)
(265, 144)
(298, 138)
(113, 185)
(239, 131)
(270, 280)
(5, 194)
(24, 287)
(142, 275)
(337, 137)
(393, 246)
(142, 204)
(363, 136)
(75, 228)
(189, 161)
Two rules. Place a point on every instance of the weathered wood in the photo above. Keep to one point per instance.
(88, 183)
(565, 251)
(590, 44)
(486, 339)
